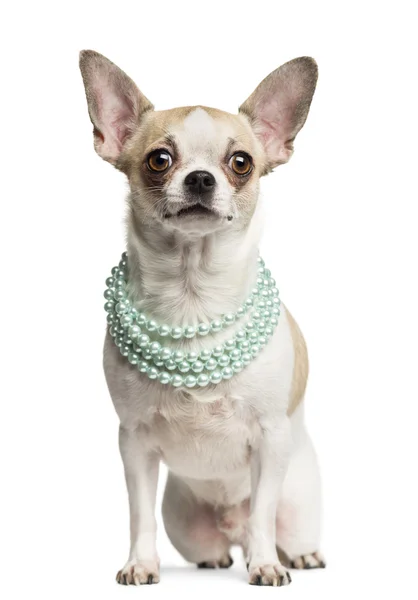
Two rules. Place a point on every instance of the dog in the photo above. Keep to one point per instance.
(242, 467)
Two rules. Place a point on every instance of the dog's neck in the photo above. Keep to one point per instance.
(183, 280)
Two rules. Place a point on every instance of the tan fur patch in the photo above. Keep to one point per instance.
(300, 367)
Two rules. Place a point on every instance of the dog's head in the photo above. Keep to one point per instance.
(195, 168)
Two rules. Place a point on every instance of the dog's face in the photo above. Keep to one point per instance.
(195, 169)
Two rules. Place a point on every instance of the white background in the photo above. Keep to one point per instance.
(341, 238)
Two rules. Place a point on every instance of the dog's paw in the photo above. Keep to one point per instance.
(308, 561)
(275, 575)
(225, 562)
(139, 572)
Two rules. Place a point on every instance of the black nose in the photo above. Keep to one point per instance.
(199, 182)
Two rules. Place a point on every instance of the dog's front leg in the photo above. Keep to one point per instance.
(141, 473)
(269, 463)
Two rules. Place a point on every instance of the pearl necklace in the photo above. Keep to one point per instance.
(127, 326)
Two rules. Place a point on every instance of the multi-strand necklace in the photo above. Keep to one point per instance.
(141, 338)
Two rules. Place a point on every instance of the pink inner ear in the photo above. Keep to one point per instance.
(274, 126)
(115, 117)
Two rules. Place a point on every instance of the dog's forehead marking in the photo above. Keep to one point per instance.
(200, 131)
(199, 124)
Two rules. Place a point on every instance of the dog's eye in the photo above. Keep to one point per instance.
(159, 160)
(241, 164)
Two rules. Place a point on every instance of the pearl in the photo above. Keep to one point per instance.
(228, 319)
(170, 364)
(183, 366)
(164, 330)
(189, 332)
(109, 306)
(143, 340)
(202, 380)
(165, 354)
(275, 311)
(111, 318)
(133, 358)
(178, 356)
(197, 366)
(216, 326)
(240, 335)
(119, 283)
(119, 294)
(119, 340)
(164, 377)
(235, 354)
(122, 307)
(108, 294)
(158, 362)
(253, 337)
(261, 326)
(125, 349)
(276, 301)
(250, 326)
(176, 333)
(227, 373)
(152, 372)
(110, 282)
(142, 366)
(245, 345)
(205, 354)
(155, 348)
(230, 344)
(274, 321)
(191, 356)
(203, 329)
(246, 358)
(218, 351)
(113, 330)
(126, 321)
(240, 312)
(237, 366)
(176, 380)
(211, 364)
(262, 340)
(256, 315)
(141, 319)
(114, 271)
(146, 355)
(152, 325)
(255, 349)
(190, 381)
(223, 360)
(215, 376)
(134, 332)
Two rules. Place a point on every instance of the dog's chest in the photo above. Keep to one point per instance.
(204, 440)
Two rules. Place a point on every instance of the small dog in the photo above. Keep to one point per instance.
(242, 468)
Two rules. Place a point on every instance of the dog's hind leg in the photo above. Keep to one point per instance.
(192, 527)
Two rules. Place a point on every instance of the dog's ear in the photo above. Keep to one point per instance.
(115, 104)
(278, 107)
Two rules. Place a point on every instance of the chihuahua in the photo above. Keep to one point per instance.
(241, 467)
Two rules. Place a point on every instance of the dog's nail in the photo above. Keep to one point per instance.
(150, 579)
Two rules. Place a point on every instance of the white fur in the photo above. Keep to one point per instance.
(222, 444)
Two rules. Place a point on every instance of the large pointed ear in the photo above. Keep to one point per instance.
(115, 103)
(278, 107)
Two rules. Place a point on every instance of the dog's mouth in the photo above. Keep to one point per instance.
(196, 210)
